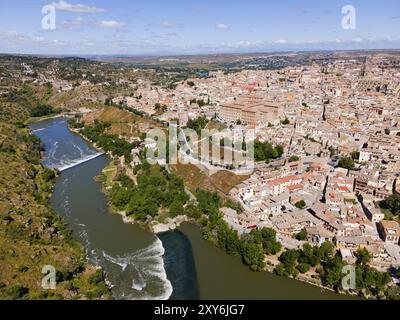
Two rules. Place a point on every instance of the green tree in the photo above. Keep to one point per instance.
(108, 102)
(392, 203)
(326, 250)
(294, 158)
(280, 151)
(371, 279)
(289, 260)
(13, 292)
(176, 209)
(267, 238)
(48, 175)
(302, 235)
(141, 207)
(355, 155)
(310, 255)
(270, 152)
(253, 256)
(42, 110)
(228, 239)
(192, 211)
(301, 204)
(393, 293)
(363, 256)
(303, 267)
(264, 151)
(270, 245)
(281, 271)
(332, 151)
(120, 197)
(346, 163)
(197, 124)
(332, 275)
(207, 201)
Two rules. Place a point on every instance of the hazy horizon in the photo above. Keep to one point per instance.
(177, 55)
(89, 27)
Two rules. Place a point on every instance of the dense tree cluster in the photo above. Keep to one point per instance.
(264, 151)
(197, 124)
(355, 155)
(156, 190)
(302, 235)
(301, 204)
(347, 163)
(200, 102)
(161, 108)
(43, 110)
(75, 124)
(330, 267)
(294, 158)
(48, 175)
(34, 148)
(267, 238)
(251, 248)
(392, 203)
(107, 142)
(132, 110)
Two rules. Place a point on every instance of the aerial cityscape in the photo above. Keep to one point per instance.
(149, 154)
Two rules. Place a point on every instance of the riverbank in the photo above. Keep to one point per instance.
(172, 224)
(41, 119)
(131, 258)
(156, 227)
(159, 224)
(223, 275)
(138, 265)
(32, 235)
(151, 193)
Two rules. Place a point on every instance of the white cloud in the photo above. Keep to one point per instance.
(79, 22)
(14, 42)
(77, 8)
(358, 39)
(38, 39)
(280, 41)
(170, 24)
(73, 23)
(12, 37)
(222, 26)
(110, 24)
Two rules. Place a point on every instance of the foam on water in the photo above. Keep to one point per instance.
(147, 266)
(139, 275)
(65, 165)
(139, 284)
(144, 269)
(64, 153)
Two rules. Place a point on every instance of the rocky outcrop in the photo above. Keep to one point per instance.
(171, 224)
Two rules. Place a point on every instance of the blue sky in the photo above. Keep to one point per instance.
(193, 26)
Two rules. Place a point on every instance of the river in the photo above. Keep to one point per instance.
(177, 265)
